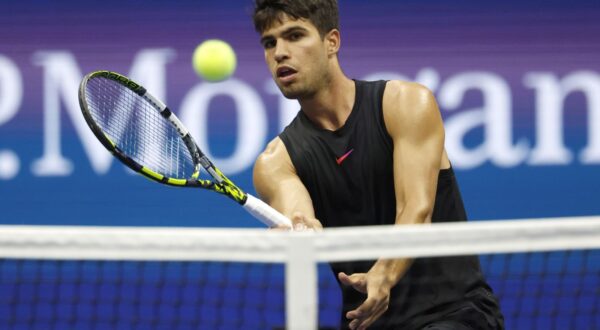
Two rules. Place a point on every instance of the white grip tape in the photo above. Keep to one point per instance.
(263, 212)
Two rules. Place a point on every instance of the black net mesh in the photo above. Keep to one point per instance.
(48, 294)
(545, 290)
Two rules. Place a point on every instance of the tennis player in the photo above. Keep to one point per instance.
(365, 153)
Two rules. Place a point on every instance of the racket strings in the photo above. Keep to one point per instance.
(138, 129)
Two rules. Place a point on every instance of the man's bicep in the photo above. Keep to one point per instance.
(415, 126)
(277, 183)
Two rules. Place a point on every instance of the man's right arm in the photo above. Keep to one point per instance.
(278, 185)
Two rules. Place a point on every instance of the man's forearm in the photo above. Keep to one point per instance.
(392, 270)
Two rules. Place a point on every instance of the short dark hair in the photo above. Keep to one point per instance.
(323, 14)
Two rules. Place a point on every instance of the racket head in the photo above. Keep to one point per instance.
(140, 131)
(130, 123)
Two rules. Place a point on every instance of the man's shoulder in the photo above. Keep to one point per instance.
(408, 106)
(274, 150)
(402, 88)
(406, 96)
(275, 157)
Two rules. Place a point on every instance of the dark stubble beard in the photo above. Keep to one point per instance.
(308, 91)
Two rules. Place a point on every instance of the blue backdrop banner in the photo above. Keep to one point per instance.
(517, 82)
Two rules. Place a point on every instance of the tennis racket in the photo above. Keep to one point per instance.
(145, 135)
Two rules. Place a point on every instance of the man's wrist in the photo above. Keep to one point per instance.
(390, 271)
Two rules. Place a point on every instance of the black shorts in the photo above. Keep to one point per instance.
(447, 325)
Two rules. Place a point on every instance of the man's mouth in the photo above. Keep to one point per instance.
(285, 71)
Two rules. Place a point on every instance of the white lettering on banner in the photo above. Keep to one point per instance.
(61, 78)
(11, 96)
(61, 81)
(429, 78)
(495, 116)
(251, 121)
(9, 165)
(550, 96)
(11, 89)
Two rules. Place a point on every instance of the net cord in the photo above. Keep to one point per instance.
(335, 244)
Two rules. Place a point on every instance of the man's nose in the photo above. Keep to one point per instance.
(281, 51)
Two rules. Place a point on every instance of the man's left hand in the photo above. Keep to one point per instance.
(378, 298)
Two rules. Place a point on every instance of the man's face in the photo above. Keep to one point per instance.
(296, 56)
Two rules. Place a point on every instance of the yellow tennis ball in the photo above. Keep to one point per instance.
(214, 60)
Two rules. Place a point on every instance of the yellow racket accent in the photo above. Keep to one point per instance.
(227, 187)
(231, 190)
(177, 182)
(109, 140)
(152, 174)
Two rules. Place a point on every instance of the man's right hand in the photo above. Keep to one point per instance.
(300, 222)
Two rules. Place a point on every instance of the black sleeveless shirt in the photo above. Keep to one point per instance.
(349, 176)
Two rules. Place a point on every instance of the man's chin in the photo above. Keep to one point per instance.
(292, 92)
(291, 95)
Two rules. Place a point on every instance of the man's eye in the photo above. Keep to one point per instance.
(269, 44)
(295, 36)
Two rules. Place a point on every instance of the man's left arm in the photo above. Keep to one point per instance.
(413, 120)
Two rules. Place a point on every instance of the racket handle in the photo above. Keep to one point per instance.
(263, 212)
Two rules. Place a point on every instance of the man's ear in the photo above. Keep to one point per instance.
(333, 41)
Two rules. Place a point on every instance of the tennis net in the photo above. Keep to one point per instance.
(545, 273)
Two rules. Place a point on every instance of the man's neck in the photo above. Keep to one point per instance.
(330, 107)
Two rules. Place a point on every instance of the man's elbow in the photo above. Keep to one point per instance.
(415, 214)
